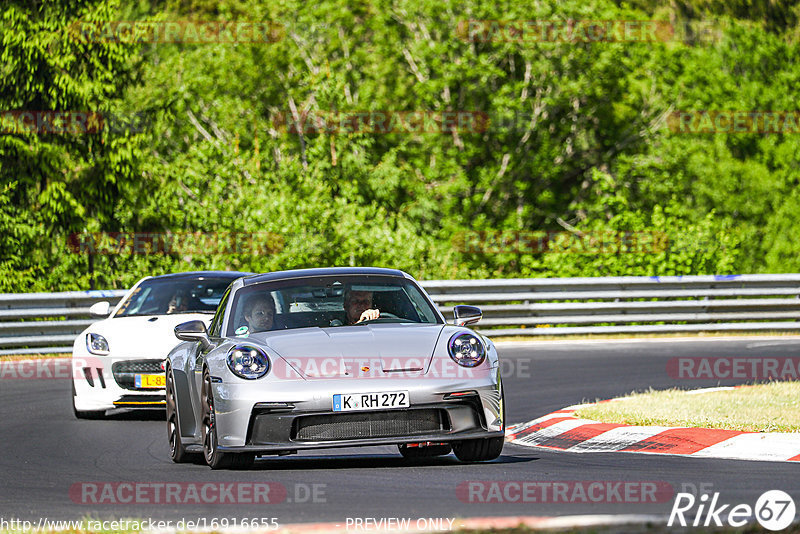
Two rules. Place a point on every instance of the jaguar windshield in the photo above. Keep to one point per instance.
(168, 296)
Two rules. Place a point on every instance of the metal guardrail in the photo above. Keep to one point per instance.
(611, 305)
(527, 307)
(65, 315)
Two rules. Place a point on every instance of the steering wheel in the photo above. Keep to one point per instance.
(383, 315)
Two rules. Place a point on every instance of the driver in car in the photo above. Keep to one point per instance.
(179, 302)
(259, 312)
(357, 306)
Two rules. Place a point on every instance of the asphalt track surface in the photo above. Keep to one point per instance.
(46, 451)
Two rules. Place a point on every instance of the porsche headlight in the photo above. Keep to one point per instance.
(466, 349)
(97, 344)
(246, 361)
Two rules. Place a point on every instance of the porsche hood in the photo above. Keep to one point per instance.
(348, 351)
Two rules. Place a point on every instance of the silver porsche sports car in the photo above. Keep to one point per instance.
(338, 357)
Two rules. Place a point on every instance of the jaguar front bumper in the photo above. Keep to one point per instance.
(104, 383)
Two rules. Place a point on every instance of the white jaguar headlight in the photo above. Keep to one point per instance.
(247, 361)
(97, 344)
(466, 349)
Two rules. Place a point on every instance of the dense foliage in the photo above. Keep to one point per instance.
(209, 137)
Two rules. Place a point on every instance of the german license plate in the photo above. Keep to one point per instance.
(384, 400)
(151, 381)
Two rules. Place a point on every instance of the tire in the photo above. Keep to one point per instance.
(85, 414)
(479, 450)
(214, 458)
(424, 452)
(177, 450)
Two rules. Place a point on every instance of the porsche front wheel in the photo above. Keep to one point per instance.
(177, 450)
(479, 450)
(214, 457)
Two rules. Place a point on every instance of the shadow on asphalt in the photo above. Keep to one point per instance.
(373, 462)
(353, 461)
(138, 415)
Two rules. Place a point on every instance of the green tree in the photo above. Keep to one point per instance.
(58, 180)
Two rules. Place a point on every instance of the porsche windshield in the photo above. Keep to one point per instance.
(328, 301)
(167, 296)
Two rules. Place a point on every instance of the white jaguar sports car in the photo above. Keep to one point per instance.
(118, 362)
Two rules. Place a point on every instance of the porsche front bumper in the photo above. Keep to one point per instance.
(301, 417)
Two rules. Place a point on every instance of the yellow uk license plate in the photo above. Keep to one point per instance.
(151, 381)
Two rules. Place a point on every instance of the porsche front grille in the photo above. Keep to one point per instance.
(364, 425)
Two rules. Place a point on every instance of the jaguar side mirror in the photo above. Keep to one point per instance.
(100, 309)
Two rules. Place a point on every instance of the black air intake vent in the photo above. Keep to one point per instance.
(365, 425)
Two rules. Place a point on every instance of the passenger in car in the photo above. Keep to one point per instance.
(357, 306)
(178, 303)
(259, 312)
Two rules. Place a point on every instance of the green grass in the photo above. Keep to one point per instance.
(771, 407)
(18, 357)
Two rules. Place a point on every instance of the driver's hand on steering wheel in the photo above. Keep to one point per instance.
(369, 315)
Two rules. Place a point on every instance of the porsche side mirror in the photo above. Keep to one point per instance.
(99, 309)
(193, 331)
(466, 315)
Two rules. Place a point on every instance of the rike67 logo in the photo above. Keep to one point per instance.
(774, 510)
